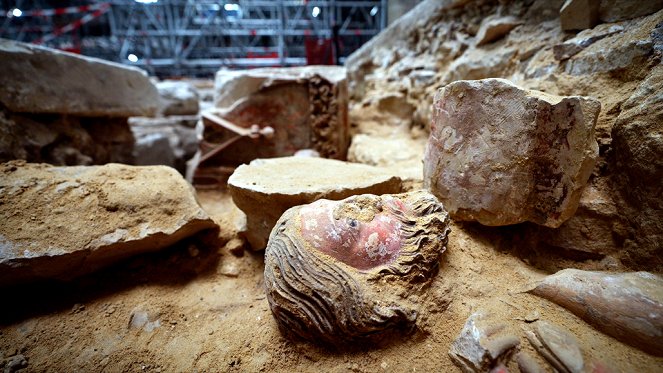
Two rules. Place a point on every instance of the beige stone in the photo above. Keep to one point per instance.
(178, 98)
(61, 222)
(619, 10)
(627, 306)
(35, 79)
(495, 28)
(265, 188)
(579, 14)
(499, 154)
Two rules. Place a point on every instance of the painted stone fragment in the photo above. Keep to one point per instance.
(339, 271)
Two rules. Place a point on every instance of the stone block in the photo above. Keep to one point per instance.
(500, 154)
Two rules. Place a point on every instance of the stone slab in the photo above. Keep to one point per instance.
(36, 79)
(61, 222)
(266, 188)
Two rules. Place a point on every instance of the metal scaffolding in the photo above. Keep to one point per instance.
(187, 37)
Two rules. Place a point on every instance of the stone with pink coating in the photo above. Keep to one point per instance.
(340, 271)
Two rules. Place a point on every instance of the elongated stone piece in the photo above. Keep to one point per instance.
(627, 306)
(339, 271)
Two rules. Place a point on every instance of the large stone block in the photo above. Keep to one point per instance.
(273, 112)
(60, 222)
(178, 98)
(267, 97)
(266, 188)
(35, 79)
(499, 154)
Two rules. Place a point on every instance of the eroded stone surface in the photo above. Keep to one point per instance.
(579, 14)
(60, 222)
(627, 306)
(499, 154)
(494, 28)
(35, 79)
(483, 344)
(265, 188)
(619, 10)
(334, 269)
(177, 98)
(558, 346)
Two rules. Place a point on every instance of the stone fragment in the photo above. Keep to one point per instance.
(483, 344)
(585, 38)
(177, 98)
(480, 64)
(265, 188)
(627, 306)
(35, 79)
(169, 141)
(342, 271)
(495, 28)
(619, 10)
(499, 154)
(64, 140)
(579, 14)
(558, 346)
(597, 226)
(632, 50)
(61, 222)
(638, 153)
(527, 363)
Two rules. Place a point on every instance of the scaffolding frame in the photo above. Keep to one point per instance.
(198, 37)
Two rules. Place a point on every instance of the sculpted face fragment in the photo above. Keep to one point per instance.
(324, 262)
(362, 232)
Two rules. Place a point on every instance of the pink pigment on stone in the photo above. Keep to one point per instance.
(362, 245)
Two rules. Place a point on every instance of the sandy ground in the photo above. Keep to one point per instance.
(197, 307)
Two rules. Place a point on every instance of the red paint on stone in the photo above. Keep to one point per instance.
(362, 245)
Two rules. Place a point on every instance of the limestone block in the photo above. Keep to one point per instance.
(619, 10)
(265, 188)
(35, 79)
(579, 14)
(499, 154)
(178, 98)
(494, 28)
(306, 106)
(61, 222)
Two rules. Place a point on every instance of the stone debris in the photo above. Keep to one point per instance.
(627, 306)
(401, 154)
(169, 141)
(342, 271)
(633, 47)
(495, 28)
(61, 222)
(483, 344)
(527, 363)
(584, 39)
(177, 98)
(65, 140)
(321, 116)
(265, 188)
(638, 151)
(499, 154)
(35, 79)
(579, 14)
(619, 10)
(597, 226)
(272, 112)
(558, 346)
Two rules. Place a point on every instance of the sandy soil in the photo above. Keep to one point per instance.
(197, 307)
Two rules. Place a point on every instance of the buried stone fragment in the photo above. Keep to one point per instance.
(339, 271)
(484, 344)
(627, 306)
(558, 346)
